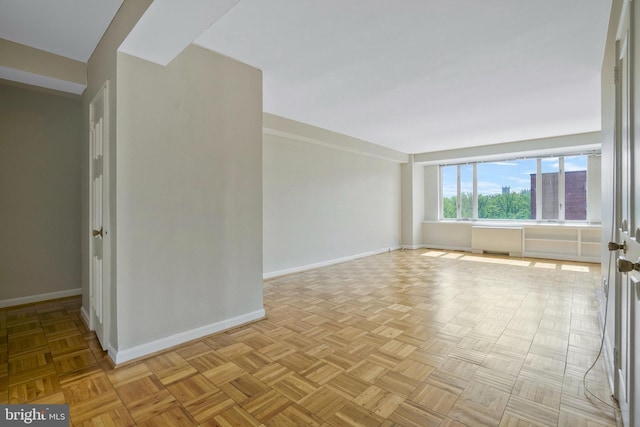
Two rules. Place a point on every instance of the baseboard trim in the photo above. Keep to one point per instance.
(40, 297)
(286, 271)
(607, 347)
(608, 361)
(85, 317)
(446, 248)
(129, 354)
(411, 247)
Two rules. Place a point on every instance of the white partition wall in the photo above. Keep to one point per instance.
(189, 199)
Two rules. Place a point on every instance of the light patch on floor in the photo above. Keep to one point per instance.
(502, 261)
(487, 259)
(434, 254)
(580, 268)
(546, 265)
(519, 263)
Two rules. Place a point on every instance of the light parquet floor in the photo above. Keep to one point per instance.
(407, 338)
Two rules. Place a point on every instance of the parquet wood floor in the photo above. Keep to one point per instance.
(407, 338)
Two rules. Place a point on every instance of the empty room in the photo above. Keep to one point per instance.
(280, 213)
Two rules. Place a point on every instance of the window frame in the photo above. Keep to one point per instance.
(539, 196)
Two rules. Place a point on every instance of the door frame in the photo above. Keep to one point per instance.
(625, 206)
(101, 98)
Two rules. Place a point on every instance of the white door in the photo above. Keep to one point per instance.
(99, 237)
(628, 230)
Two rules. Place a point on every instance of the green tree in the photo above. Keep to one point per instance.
(512, 205)
(466, 205)
(449, 207)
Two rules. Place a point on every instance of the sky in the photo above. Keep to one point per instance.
(492, 176)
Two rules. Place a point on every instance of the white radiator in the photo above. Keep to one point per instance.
(497, 240)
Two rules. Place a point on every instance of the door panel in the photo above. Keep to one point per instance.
(627, 216)
(99, 261)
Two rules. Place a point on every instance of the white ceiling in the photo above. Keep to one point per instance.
(70, 28)
(414, 75)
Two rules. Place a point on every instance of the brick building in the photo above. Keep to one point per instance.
(575, 191)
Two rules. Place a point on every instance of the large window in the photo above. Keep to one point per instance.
(504, 189)
(546, 188)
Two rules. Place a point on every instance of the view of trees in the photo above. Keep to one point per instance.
(508, 205)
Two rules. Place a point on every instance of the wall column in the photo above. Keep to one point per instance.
(412, 204)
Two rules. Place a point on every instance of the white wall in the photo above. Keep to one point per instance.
(432, 193)
(413, 203)
(100, 68)
(327, 197)
(447, 235)
(39, 195)
(189, 200)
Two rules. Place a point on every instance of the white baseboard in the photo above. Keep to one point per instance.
(607, 349)
(39, 298)
(128, 354)
(273, 274)
(608, 361)
(447, 248)
(411, 247)
(85, 317)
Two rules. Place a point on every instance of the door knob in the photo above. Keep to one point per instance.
(97, 233)
(625, 265)
(613, 246)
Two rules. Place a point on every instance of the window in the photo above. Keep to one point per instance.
(549, 185)
(466, 191)
(546, 188)
(449, 192)
(504, 189)
(575, 188)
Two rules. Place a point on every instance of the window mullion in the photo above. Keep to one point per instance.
(441, 191)
(561, 189)
(475, 191)
(459, 198)
(538, 189)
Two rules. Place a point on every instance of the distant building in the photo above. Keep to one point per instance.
(575, 191)
(506, 190)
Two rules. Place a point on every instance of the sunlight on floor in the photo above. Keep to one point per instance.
(546, 265)
(579, 268)
(434, 254)
(453, 255)
(488, 259)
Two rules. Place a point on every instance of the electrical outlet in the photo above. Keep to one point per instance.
(605, 286)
